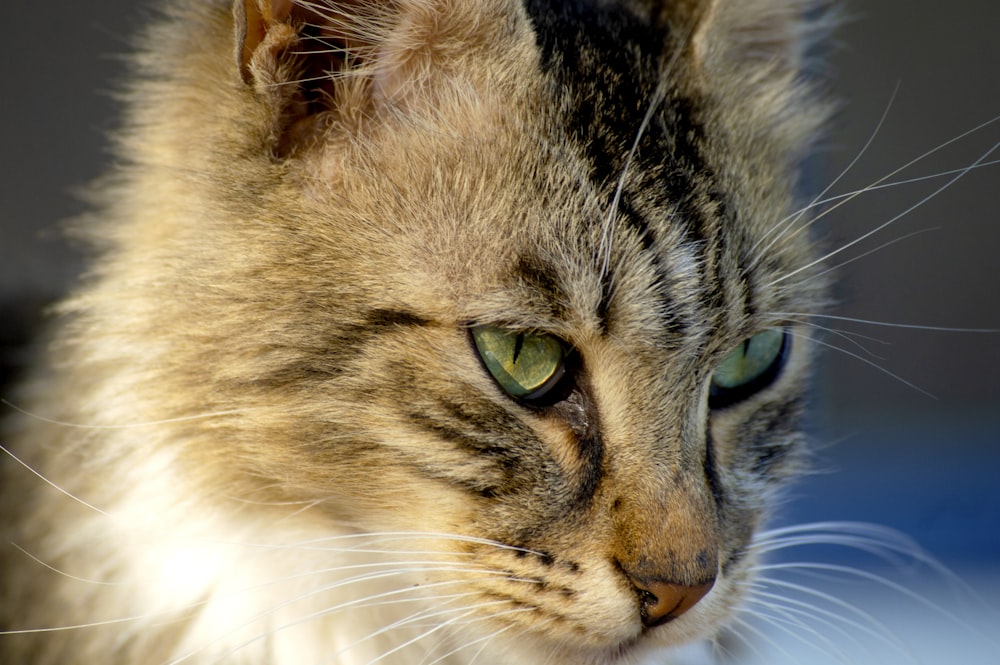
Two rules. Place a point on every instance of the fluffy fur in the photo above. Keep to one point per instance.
(263, 431)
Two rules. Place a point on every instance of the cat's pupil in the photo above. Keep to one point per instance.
(749, 368)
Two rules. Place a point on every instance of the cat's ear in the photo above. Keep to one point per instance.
(275, 37)
(750, 35)
(296, 56)
(356, 58)
(757, 58)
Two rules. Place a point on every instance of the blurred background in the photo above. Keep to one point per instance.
(907, 422)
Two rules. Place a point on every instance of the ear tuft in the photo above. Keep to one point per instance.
(317, 64)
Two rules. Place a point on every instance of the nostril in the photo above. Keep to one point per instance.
(660, 602)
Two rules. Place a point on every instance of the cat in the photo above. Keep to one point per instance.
(427, 331)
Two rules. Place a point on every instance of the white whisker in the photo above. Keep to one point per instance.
(878, 186)
(789, 620)
(760, 635)
(790, 220)
(437, 626)
(850, 337)
(889, 243)
(52, 484)
(882, 542)
(151, 423)
(881, 183)
(847, 197)
(373, 600)
(856, 573)
(608, 230)
(484, 640)
(136, 618)
(961, 173)
(886, 324)
(60, 572)
(875, 365)
(830, 618)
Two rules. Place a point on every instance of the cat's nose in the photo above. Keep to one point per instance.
(660, 602)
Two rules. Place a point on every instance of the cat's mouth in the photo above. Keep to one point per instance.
(599, 607)
(598, 621)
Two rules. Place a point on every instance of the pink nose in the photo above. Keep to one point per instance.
(660, 602)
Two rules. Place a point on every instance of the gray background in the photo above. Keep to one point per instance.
(926, 465)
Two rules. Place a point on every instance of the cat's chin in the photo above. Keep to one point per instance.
(641, 651)
(681, 642)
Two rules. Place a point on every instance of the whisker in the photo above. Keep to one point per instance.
(839, 266)
(893, 547)
(608, 230)
(847, 197)
(881, 183)
(880, 541)
(878, 186)
(368, 539)
(372, 600)
(850, 534)
(108, 622)
(831, 618)
(791, 219)
(466, 611)
(872, 364)
(886, 324)
(761, 636)
(789, 621)
(892, 220)
(180, 613)
(471, 571)
(856, 573)
(486, 639)
(719, 652)
(308, 79)
(848, 336)
(51, 484)
(443, 640)
(60, 572)
(151, 423)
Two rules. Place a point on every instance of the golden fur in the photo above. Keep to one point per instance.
(267, 436)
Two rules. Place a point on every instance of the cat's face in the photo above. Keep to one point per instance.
(533, 288)
(526, 284)
(621, 456)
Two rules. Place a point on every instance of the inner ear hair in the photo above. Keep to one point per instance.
(253, 20)
(296, 53)
(333, 34)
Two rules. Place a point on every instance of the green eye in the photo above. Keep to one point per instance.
(749, 368)
(528, 366)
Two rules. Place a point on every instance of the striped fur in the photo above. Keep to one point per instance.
(273, 439)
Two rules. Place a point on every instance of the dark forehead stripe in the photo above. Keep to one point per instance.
(606, 64)
(608, 60)
(605, 59)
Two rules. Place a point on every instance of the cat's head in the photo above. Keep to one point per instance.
(531, 276)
